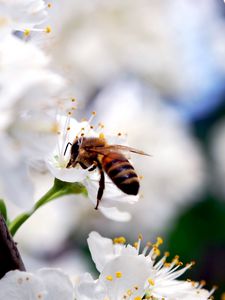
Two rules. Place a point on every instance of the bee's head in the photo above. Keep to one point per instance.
(74, 152)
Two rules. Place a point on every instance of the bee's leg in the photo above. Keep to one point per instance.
(101, 185)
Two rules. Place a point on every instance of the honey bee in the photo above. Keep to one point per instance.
(94, 152)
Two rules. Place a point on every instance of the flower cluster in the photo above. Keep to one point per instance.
(28, 90)
(126, 272)
(35, 134)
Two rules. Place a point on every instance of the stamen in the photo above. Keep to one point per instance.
(101, 135)
(26, 32)
(48, 29)
(109, 278)
(119, 240)
(151, 281)
(118, 274)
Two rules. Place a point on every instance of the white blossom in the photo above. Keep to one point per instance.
(45, 284)
(22, 15)
(126, 272)
(57, 161)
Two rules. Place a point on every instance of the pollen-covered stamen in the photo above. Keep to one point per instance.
(119, 240)
(173, 275)
(161, 262)
(119, 274)
(28, 31)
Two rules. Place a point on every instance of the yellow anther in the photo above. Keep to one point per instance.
(151, 281)
(138, 298)
(68, 128)
(119, 240)
(73, 99)
(82, 128)
(109, 278)
(48, 29)
(141, 177)
(140, 236)
(202, 283)
(101, 135)
(94, 113)
(129, 292)
(82, 134)
(135, 244)
(26, 32)
(159, 241)
(83, 120)
(167, 265)
(69, 113)
(180, 263)
(156, 251)
(118, 274)
(119, 133)
(91, 127)
(166, 254)
(73, 107)
(136, 287)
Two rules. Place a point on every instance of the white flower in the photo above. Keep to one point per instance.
(22, 14)
(45, 284)
(58, 160)
(128, 273)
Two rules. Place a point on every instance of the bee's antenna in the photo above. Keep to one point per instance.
(67, 147)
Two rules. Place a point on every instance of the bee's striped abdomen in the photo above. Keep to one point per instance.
(122, 173)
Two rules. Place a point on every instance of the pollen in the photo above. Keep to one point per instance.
(135, 244)
(166, 254)
(140, 236)
(118, 274)
(119, 133)
(91, 127)
(156, 251)
(48, 29)
(109, 278)
(49, 5)
(129, 293)
(69, 113)
(94, 113)
(119, 240)
(151, 281)
(26, 32)
(68, 128)
(101, 135)
(73, 99)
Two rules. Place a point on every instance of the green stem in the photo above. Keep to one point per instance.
(19, 220)
(59, 189)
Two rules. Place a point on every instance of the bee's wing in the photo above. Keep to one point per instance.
(106, 150)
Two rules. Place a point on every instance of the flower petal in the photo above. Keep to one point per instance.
(58, 284)
(16, 285)
(101, 248)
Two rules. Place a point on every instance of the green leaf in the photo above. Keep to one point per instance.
(3, 209)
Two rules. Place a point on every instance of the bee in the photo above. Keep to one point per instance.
(94, 152)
